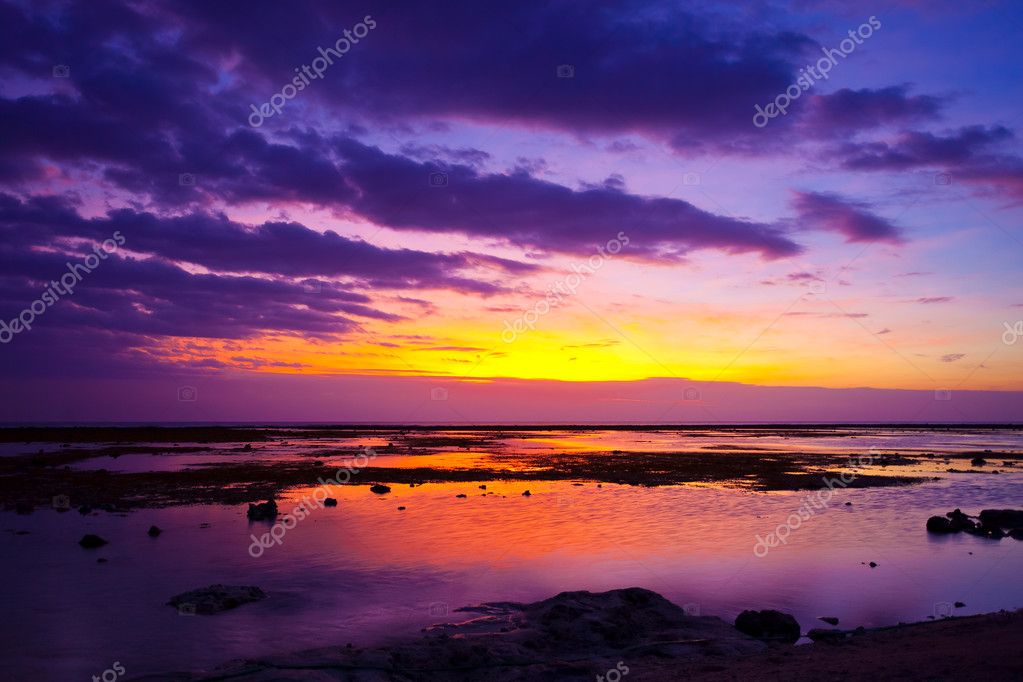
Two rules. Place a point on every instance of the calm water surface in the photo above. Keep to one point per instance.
(365, 571)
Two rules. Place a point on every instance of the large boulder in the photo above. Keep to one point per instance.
(939, 524)
(265, 511)
(1002, 518)
(207, 601)
(768, 625)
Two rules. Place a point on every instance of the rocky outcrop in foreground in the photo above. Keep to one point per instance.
(207, 601)
(572, 636)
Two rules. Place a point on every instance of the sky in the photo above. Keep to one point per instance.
(533, 211)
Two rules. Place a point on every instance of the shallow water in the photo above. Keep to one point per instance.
(365, 570)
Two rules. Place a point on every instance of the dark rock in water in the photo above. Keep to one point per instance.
(461, 495)
(848, 504)
(826, 634)
(978, 461)
(996, 533)
(153, 531)
(23, 507)
(959, 605)
(939, 524)
(959, 521)
(101, 560)
(526, 494)
(483, 487)
(1016, 533)
(216, 598)
(248, 446)
(1002, 518)
(401, 508)
(830, 620)
(265, 511)
(85, 510)
(768, 625)
(91, 541)
(330, 502)
(379, 489)
(872, 564)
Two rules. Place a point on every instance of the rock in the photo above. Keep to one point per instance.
(1002, 518)
(265, 511)
(939, 524)
(872, 564)
(959, 605)
(768, 625)
(848, 504)
(401, 508)
(101, 560)
(154, 531)
(571, 636)
(248, 446)
(91, 541)
(461, 495)
(978, 461)
(825, 634)
(330, 502)
(830, 620)
(1016, 533)
(23, 507)
(85, 510)
(526, 494)
(379, 489)
(959, 521)
(207, 601)
(483, 487)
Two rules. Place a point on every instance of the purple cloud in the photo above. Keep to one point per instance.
(831, 212)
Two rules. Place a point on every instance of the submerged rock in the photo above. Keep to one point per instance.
(379, 489)
(154, 531)
(830, 620)
(265, 511)
(91, 541)
(207, 601)
(768, 625)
